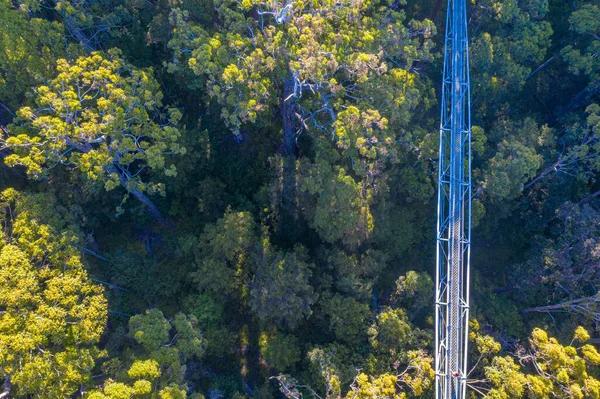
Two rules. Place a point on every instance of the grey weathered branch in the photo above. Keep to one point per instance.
(554, 168)
(583, 96)
(564, 161)
(76, 32)
(5, 107)
(90, 252)
(590, 197)
(151, 208)
(541, 67)
(7, 388)
(561, 306)
(113, 286)
(587, 306)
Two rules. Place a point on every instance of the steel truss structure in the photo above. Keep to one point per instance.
(454, 211)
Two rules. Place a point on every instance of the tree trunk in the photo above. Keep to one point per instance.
(5, 107)
(7, 388)
(436, 10)
(499, 290)
(541, 67)
(288, 188)
(76, 32)
(590, 197)
(547, 171)
(287, 113)
(562, 306)
(584, 95)
(151, 208)
(90, 252)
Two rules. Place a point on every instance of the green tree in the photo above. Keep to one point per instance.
(561, 270)
(394, 340)
(343, 70)
(51, 314)
(355, 275)
(90, 24)
(225, 253)
(347, 319)
(517, 158)
(295, 48)
(337, 206)
(153, 331)
(100, 117)
(156, 366)
(582, 56)
(544, 369)
(577, 152)
(280, 351)
(29, 49)
(511, 40)
(391, 332)
(414, 377)
(414, 290)
(280, 290)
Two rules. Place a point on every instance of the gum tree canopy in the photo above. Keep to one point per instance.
(311, 59)
(51, 314)
(101, 117)
(346, 69)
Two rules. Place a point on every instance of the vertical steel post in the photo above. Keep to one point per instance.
(454, 211)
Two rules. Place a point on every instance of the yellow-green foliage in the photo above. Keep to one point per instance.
(280, 351)
(546, 369)
(28, 49)
(380, 387)
(156, 370)
(391, 332)
(52, 315)
(417, 376)
(336, 65)
(98, 116)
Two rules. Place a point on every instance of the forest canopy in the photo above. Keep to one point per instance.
(237, 198)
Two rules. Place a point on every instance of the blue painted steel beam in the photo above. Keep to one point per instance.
(454, 211)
